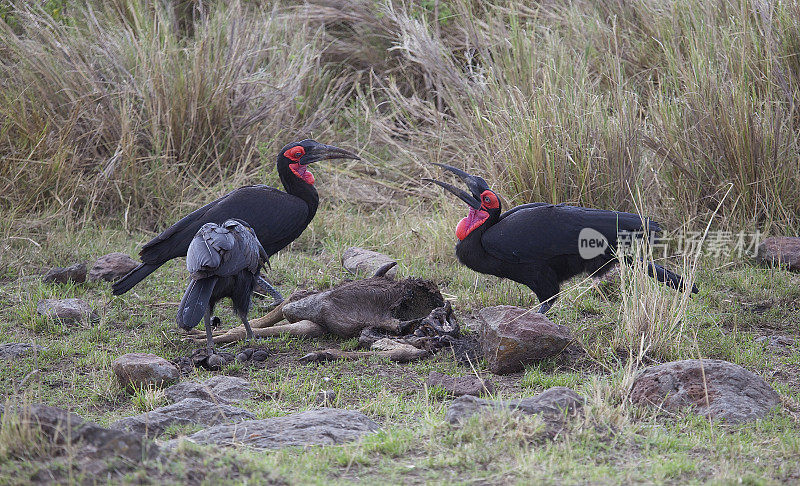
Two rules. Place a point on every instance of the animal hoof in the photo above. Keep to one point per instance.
(215, 362)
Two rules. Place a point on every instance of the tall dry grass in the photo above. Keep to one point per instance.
(117, 108)
(138, 104)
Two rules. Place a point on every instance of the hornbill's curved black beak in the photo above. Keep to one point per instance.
(463, 195)
(325, 152)
(475, 184)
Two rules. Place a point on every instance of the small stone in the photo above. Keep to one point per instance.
(460, 385)
(111, 267)
(67, 310)
(366, 262)
(260, 355)
(326, 398)
(783, 250)
(715, 389)
(776, 341)
(18, 350)
(187, 411)
(215, 362)
(323, 426)
(512, 337)
(75, 273)
(142, 370)
(200, 358)
(245, 355)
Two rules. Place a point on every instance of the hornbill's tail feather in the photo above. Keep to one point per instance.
(132, 278)
(195, 302)
(670, 278)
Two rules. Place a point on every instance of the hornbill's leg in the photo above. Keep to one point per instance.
(209, 334)
(277, 298)
(247, 327)
(546, 288)
(545, 307)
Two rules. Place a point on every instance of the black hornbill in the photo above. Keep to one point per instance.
(223, 261)
(277, 217)
(539, 244)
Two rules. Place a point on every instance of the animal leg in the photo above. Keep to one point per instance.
(273, 317)
(402, 355)
(299, 329)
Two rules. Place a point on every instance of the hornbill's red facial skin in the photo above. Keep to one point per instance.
(537, 244)
(277, 217)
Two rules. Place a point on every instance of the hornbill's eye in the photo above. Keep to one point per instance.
(486, 199)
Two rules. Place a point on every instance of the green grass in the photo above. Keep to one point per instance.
(612, 443)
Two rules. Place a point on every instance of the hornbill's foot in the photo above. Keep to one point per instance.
(545, 307)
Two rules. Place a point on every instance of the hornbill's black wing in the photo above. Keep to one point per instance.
(542, 231)
(526, 206)
(210, 248)
(277, 217)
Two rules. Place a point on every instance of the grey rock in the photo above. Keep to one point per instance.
(67, 310)
(99, 441)
(322, 426)
(111, 267)
(359, 261)
(18, 350)
(219, 389)
(142, 370)
(553, 405)
(460, 385)
(713, 388)
(187, 411)
(93, 440)
(74, 273)
(512, 337)
(780, 250)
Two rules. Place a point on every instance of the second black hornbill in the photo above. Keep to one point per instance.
(539, 244)
(277, 217)
(223, 261)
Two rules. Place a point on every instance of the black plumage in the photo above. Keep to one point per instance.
(538, 244)
(223, 261)
(277, 217)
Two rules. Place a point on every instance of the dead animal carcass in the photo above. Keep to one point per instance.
(409, 308)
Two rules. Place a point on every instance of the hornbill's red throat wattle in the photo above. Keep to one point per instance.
(277, 217)
(539, 244)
